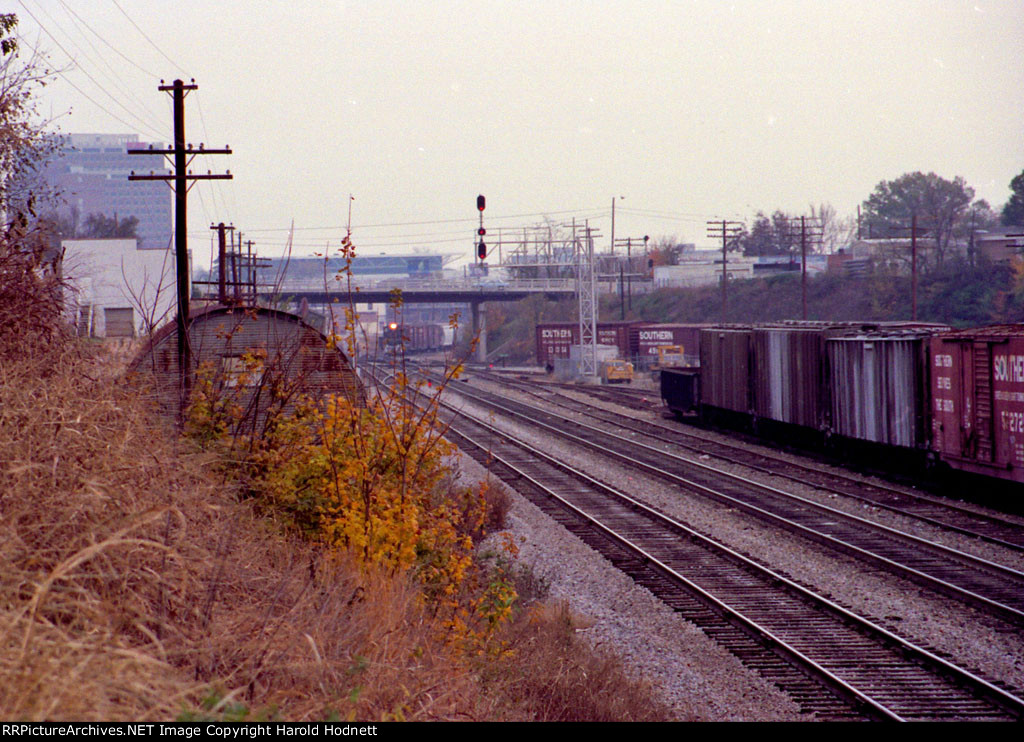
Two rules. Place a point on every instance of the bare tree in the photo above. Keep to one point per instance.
(836, 231)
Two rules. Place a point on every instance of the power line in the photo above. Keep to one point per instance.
(112, 47)
(423, 223)
(151, 42)
(82, 92)
(93, 79)
(115, 77)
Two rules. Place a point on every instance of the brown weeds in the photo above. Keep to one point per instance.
(135, 585)
(132, 584)
(554, 676)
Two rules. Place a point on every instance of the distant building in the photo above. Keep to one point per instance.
(91, 177)
(116, 289)
(705, 270)
(369, 270)
(769, 265)
(999, 244)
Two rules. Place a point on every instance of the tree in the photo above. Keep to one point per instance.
(836, 231)
(770, 236)
(30, 290)
(1013, 212)
(937, 203)
(24, 145)
(99, 226)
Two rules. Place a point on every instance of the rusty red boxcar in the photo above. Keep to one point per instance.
(646, 339)
(978, 400)
(555, 338)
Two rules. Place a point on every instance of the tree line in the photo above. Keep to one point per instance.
(946, 212)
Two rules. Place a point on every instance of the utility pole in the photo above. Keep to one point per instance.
(613, 225)
(181, 157)
(222, 275)
(725, 229)
(811, 230)
(913, 267)
(613, 221)
(236, 270)
(914, 231)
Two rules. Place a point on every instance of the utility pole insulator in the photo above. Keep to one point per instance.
(182, 157)
(725, 229)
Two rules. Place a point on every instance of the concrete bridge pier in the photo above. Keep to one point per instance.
(480, 330)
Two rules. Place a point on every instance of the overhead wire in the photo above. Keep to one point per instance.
(77, 22)
(146, 37)
(217, 187)
(470, 220)
(113, 48)
(95, 82)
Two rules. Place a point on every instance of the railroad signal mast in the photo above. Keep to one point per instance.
(481, 248)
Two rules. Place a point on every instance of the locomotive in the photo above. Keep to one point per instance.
(911, 395)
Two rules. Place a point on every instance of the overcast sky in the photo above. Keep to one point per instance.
(687, 110)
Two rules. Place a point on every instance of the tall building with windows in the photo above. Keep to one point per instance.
(91, 177)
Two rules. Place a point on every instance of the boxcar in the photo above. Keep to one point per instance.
(879, 386)
(555, 338)
(646, 339)
(789, 375)
(680, 390)
(977, 400)
(726, 395)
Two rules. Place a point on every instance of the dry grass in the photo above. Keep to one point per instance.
(131, 582)
(554, 676)
(135, 585)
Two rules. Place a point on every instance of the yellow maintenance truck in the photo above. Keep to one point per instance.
(616, 371)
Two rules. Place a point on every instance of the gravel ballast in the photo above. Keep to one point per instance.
(970, 638)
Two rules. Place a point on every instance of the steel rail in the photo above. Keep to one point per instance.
(1005, 611)
(704, 446)
(861, 699)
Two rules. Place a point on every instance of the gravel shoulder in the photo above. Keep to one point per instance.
(689, 672)
(971, 638)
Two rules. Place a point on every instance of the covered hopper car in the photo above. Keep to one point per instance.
(911, 394)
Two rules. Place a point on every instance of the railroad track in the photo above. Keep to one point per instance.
(832, 662)
(990, 587)
(935, 511)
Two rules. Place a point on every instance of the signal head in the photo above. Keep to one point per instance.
(480, 203)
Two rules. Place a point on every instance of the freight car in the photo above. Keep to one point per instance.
(860, 391)
(554, 339)
(647, 341)
(415, 338)
(977, 400)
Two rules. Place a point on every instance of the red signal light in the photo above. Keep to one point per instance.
(481, 231)
(481, 250)
(480, 203)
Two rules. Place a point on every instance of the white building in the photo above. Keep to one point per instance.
(702, 272)
(116, 289)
